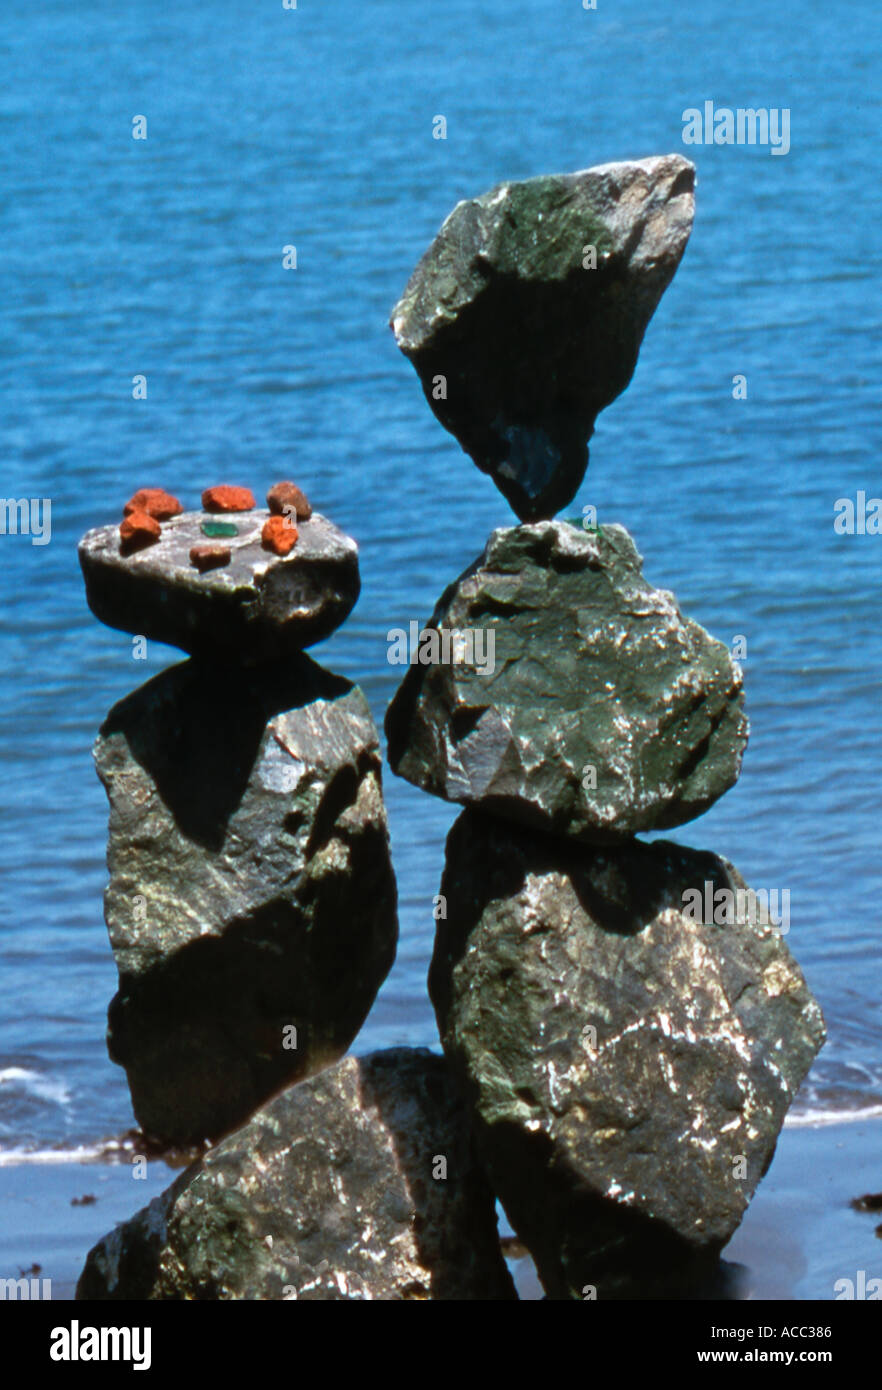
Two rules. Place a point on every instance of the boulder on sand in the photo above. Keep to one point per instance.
(356, 1185)
(628, 1055)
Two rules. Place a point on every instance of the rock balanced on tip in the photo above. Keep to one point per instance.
(525, 316)
(628, 1063)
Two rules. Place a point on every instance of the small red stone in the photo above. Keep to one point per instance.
(288, 495)
(138, 530)
(228, 499)
(279, 535)
(156, 502)
(209, 557)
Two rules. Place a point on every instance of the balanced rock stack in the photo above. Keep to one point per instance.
(248, 851)
(626, 1025)
(623, 1030)
(252, 914)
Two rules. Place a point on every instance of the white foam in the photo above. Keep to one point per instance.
(35, 1083)
(84, 1153)
(816, 1119)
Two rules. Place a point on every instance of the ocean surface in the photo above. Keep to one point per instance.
(313, 127)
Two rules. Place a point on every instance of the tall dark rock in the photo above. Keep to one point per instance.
(252, 904)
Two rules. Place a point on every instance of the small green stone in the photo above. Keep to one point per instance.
(218, 529)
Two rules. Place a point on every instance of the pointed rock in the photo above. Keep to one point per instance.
(525, 316)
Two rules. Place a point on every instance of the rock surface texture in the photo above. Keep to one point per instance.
(258, 608)
(520, 336)
(331, 1192)
(629, 1067)
(251, 889)
(606, 712)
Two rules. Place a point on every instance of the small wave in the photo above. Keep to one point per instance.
(35, 1083)
(128, 1146)
(816, 1119)
(83, 1153)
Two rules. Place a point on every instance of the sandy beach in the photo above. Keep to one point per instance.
(800, 1235)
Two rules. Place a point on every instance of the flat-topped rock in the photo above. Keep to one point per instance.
(259, 607)
(525, 316)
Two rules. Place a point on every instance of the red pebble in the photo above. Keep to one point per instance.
(137, 531)
(209, 557)
(288, 495)
(279, 535)
(228, 499)
(156, 502)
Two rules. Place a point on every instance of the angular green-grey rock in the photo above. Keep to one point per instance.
(525, 316)
(629, 1044)
(251, 905)
(356, 1185)
(585, 703)
(258, 608)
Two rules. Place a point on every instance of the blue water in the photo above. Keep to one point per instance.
(313, 127)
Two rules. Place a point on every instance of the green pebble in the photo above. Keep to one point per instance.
(217, 529)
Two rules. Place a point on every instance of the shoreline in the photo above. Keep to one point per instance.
(799, 1237)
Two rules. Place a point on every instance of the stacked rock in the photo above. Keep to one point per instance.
(214, 587)
(252, 914)
(252, 903)
(623, 1031)
(624, 1020)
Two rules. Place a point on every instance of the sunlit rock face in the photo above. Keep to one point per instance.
(630, 1064)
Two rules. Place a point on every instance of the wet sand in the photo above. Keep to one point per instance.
(800, 1234)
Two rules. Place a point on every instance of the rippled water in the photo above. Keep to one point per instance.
(313, 127)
